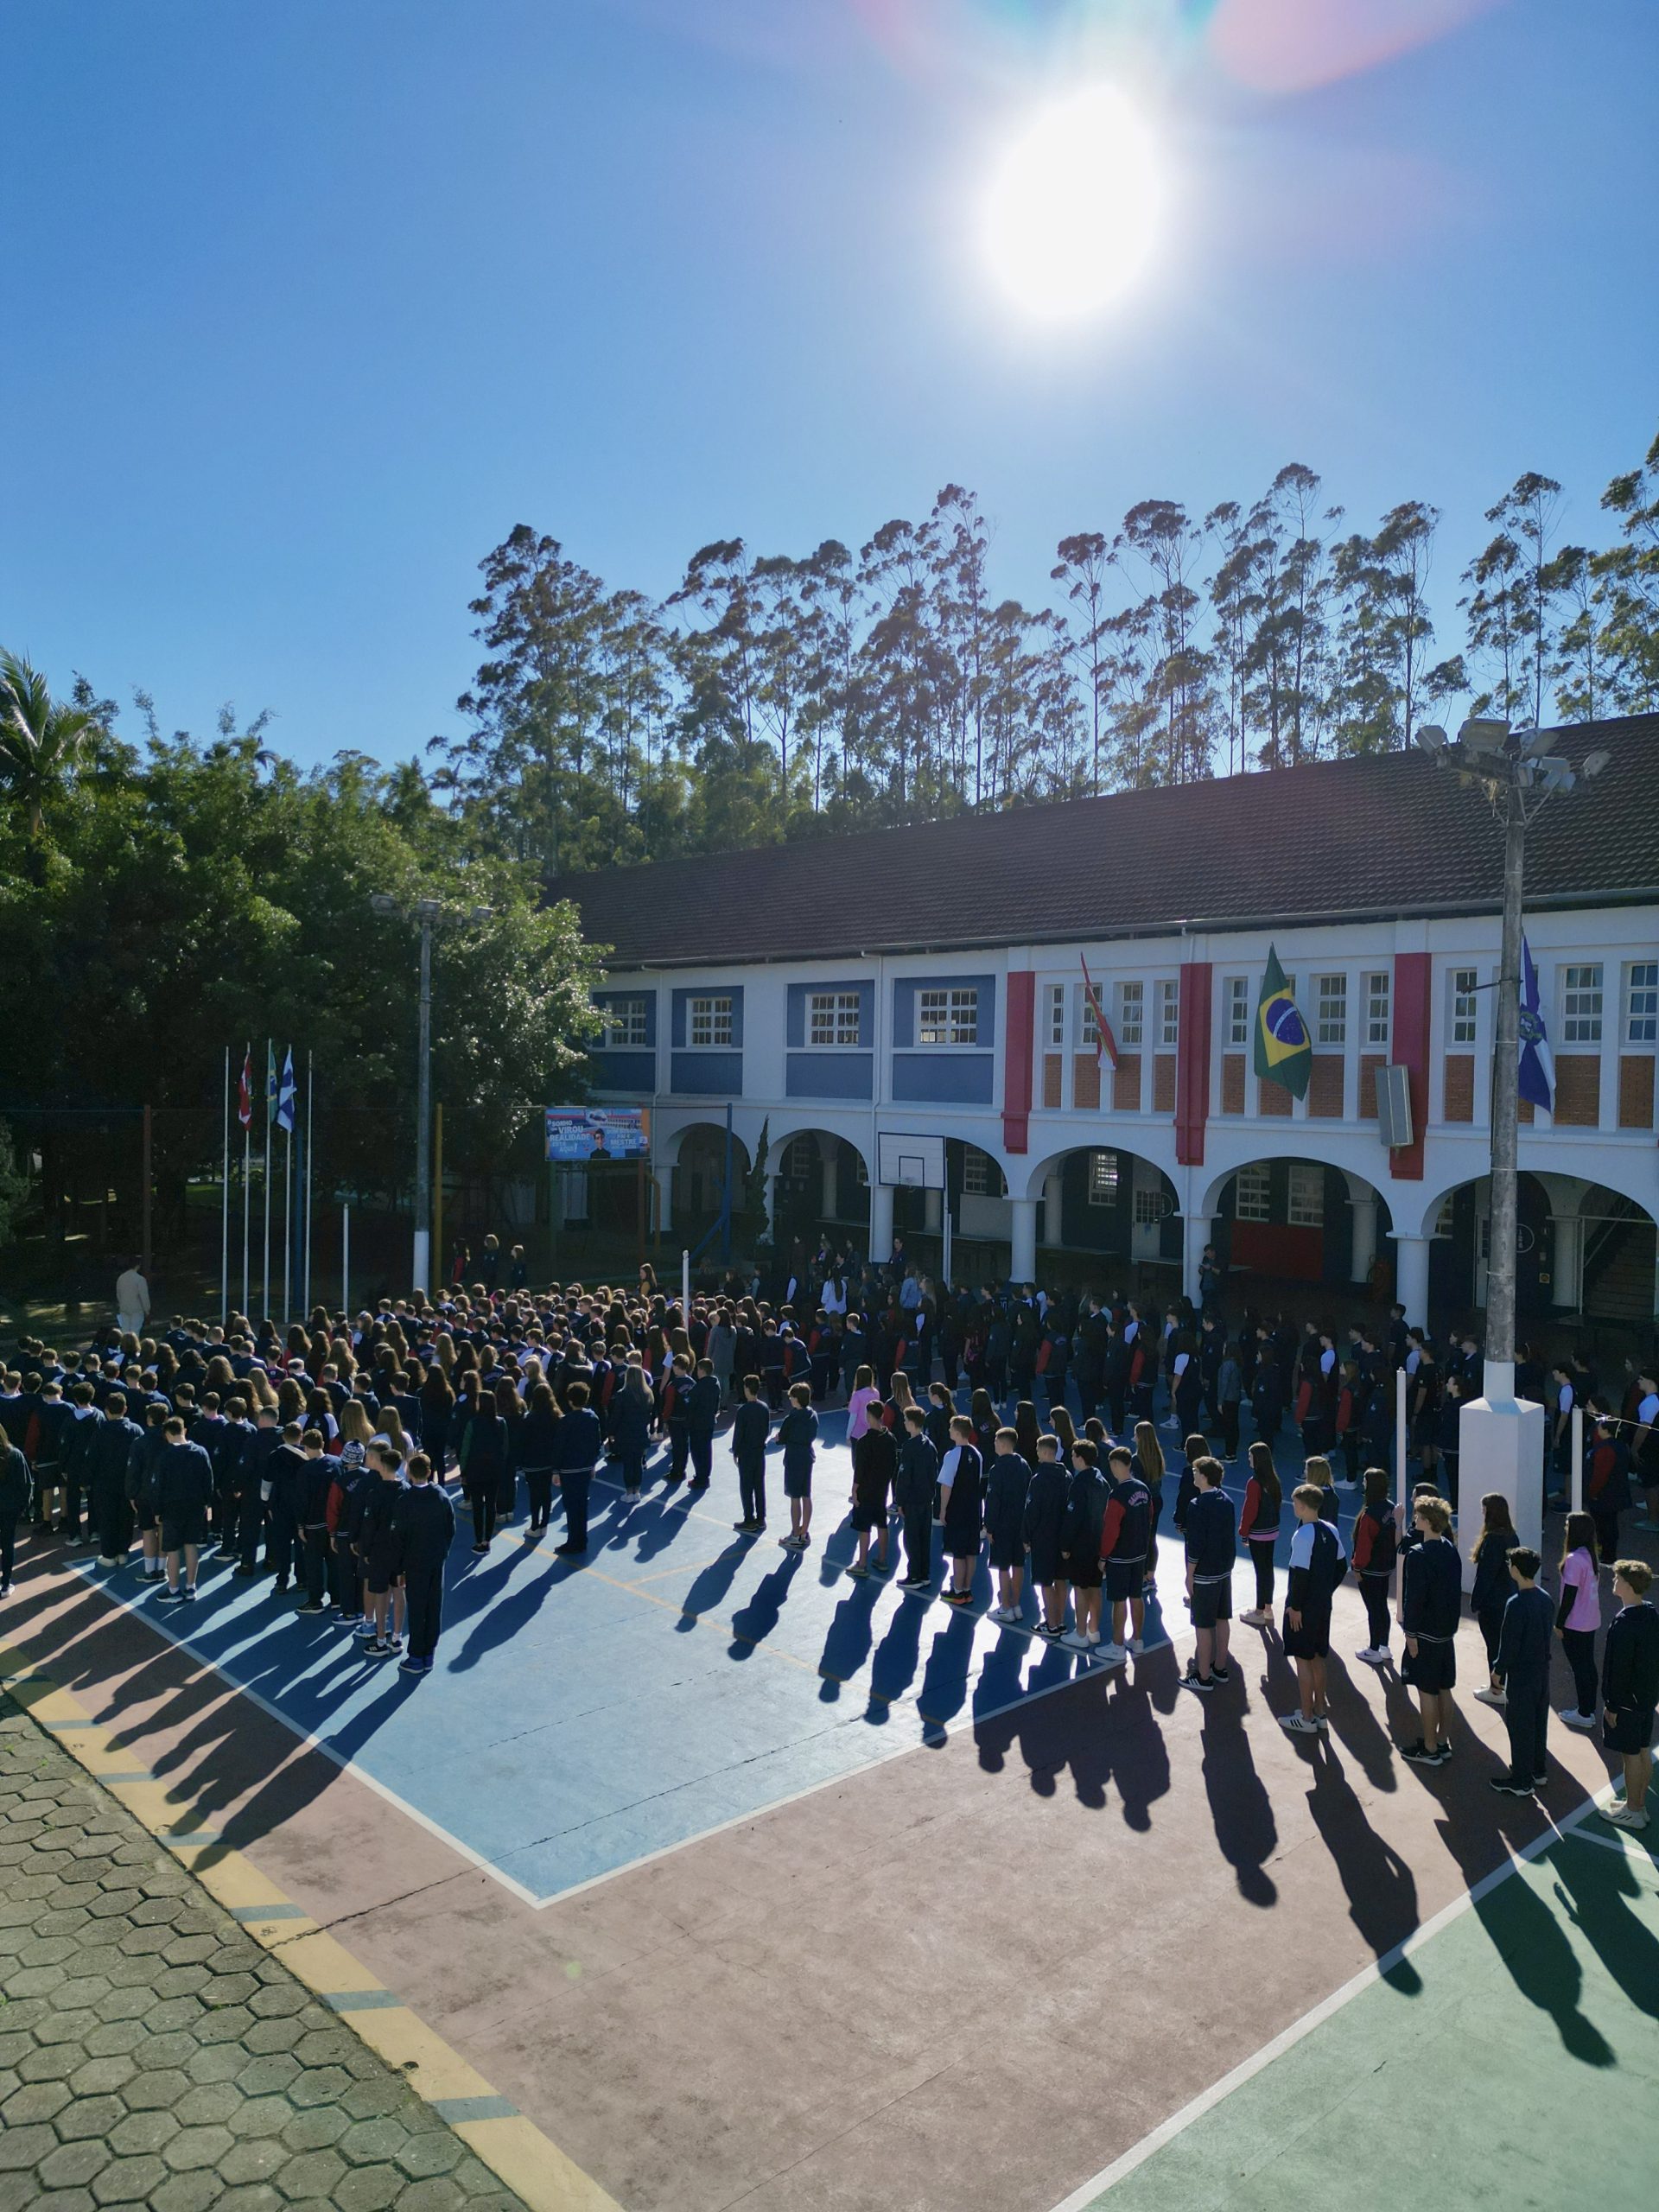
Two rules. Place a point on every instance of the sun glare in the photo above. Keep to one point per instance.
(1073, 207)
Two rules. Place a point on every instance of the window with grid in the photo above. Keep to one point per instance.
(1332, 1009)
(1131, 1007)
(1466, 1005)
(711, 1021)
(1102, 1179)
(1443, 1220)
(1169, 1015)
(862, 1174)
(1305, 1200)
(1253, 1198)
(833, 1018)
(975, 1173)
(1056, 1013)
(1642, 1002)
(800, 1161)
(947, 1017)
(1581, 1004)
(1238, 1009)
(1148, 1207)
(625, 1024)
(1091, 1026)
(1377, 1008)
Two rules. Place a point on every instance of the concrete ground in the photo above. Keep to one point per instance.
(746, 1883)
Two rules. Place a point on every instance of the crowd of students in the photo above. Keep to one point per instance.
(321, 1456)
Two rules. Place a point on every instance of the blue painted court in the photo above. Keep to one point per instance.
(585, 1715)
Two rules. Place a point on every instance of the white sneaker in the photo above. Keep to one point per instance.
(1110, 1654)
(1582, 1720)
(1137, 1644)
(1073, 1642)
(1621, 1816)
(1296, 1724)
(1492, 1697)
(1256, 1617)
(1373, 1654)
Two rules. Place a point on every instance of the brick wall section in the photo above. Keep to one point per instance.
(1085, 1083)
(1577, 1090)
(1163, 1083)
(1126, 1084)
(1325, 1087)
(1273, 1098)
(1459, 1086)
(1232, 1083)
(1053, 1067)
(1635, 1091)
(1370, 1063)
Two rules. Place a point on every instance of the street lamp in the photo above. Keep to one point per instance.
(427, 912)
(1518, 774)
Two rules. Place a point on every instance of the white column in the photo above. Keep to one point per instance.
(1567, 1291)
(1411, 1279)
(881, 1222)
(1054, 1200)
(933, 1212)
(1022, 1265)
(1365, 1238)
(664, 1180)
(1196, 1230)
(1500, 1447)
(830, 1195)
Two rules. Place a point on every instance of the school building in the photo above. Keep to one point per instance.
(930, 982)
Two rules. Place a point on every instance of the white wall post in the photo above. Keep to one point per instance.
(1196, 1230)
(880, 1223)
(1411, 1277)
(1022, 1264)
(1364, 1211)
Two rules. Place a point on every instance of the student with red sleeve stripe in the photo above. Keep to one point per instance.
(1258, 1524)
(1125, 1534)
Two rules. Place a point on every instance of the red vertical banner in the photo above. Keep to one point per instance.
(1018, 1034)
(1193, 1063)
(1413, 1007)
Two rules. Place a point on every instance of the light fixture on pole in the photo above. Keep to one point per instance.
(1501, 1437)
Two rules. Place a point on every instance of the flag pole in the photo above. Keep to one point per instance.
(225, 1207)
(310, 1103)
(270, 1117)
(247, 1195)
(288, 1226)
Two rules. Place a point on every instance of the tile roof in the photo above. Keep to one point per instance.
(1383, 833)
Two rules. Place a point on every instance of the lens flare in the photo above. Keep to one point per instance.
(1074, 208)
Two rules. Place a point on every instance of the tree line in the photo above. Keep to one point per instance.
(771, 697)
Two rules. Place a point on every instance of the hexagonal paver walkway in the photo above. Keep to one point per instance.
(152, 2053)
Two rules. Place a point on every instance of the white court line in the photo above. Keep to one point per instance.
(1287, 2039)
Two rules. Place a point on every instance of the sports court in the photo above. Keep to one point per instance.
(751, 1883)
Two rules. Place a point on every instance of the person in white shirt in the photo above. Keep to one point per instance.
(131, 1301)
(1645, 1449)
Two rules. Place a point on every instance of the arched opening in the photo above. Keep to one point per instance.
(1099, 1205)
(1296, 1222)
(695, 1179)
(820, 1188)
(1585, 1258)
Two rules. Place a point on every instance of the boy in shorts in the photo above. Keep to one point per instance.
(1431, 1604)
(1318, 1563)
(1125, 1541)
(1630, 1689)
(378, 1546)
(1211, 1534)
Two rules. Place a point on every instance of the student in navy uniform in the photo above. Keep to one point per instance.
(751, 1426)
(919, 1475)
(80, 1445)
(1211, 1536)
(1045, 1519)
(576, 1449)
(1630, 1689)
(1126, 1526)
(16, 1488)
(1431, 1604)
(1008, 1485)
(701, 1414)
(117, 1440)
(1085, 1510)
(343, 1515)
(426, 1530)
(321, 1469)
(1375, 1546)
(1606, 1487)
(184, 1491)
(142, 1464)
(1258, 1526)
(537, 1445)
(1317, 1566)
(1493, 1587)
(484, 1450)
(1523, 1674)
(962, 1488)
(875, 1462)
(378, 1548)
(797, 1432)
(286, 1473)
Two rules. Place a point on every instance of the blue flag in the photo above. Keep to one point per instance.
(285, 1097)
(1537, 1076)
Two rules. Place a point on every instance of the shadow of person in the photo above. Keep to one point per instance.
(943, 1689)
(1241, 1810)
(1381, 1889)
(754, 1620)
(847, 1640)
(711, 1583)
(1596, 1889)
(895, 1659)
(1356, 1726)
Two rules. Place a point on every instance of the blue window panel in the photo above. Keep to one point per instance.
(828, 1075)
(624, 1070)
(796, 1031)
(904, 1006)
(945, 1079)
(611, 998)
(706, 1075)
(680, 1022)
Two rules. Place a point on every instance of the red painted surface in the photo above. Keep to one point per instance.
(1412, 981)
(1274, 1247)
(1193, 1063)
(1016, 1059)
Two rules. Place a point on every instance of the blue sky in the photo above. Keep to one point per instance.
(306, 305)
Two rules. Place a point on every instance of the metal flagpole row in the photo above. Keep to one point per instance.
(225, 1205)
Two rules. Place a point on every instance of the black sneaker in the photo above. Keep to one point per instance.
(1193, 1681)
(1222, 1674)
(1419, 1754)
(311, 1605)
(1507, 1788)
(187, 1594)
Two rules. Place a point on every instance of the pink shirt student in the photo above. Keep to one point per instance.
(1580, 1575)
(858, 1411)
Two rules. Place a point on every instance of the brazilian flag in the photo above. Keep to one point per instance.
(1284, 1051)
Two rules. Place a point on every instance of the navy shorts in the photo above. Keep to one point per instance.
(1628, 1730)
(179, 1529)
(1124, 1578)
(866, 1517)
(1433, 1668)
(1211, 1602)
(1085, 1574)
(1313, 1639)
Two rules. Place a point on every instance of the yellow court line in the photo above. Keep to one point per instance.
(512, 2146)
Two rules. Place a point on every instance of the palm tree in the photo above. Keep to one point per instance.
(40, 739)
